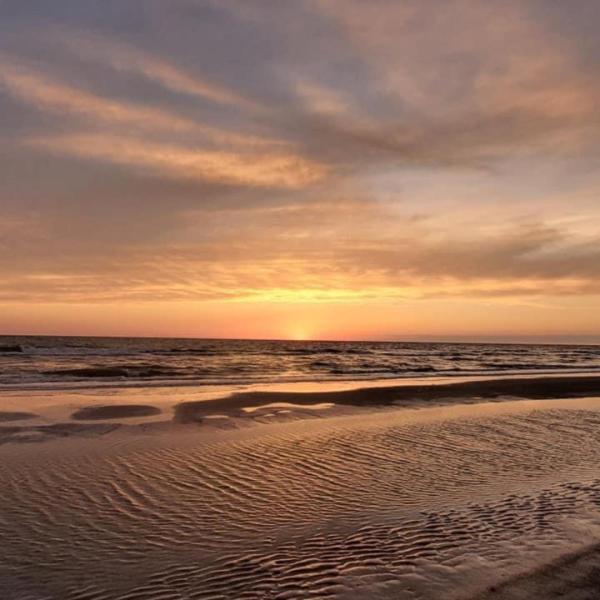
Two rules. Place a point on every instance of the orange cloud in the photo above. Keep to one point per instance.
(46, 94)
(251, 169)
(371, 156)
(127, 58)
(40, 91)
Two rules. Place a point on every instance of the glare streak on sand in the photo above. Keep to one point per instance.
(377, 505)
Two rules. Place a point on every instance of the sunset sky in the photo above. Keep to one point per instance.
(339, 169)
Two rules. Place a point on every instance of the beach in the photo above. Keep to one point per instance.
(299, 300)
(571, 577)
(451, 490)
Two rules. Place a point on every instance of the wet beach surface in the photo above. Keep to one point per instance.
(391, 503)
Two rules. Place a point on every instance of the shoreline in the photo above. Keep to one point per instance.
(63, 415)
(352, 382)
(410, 395)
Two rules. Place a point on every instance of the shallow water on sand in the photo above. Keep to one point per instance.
(434, 503)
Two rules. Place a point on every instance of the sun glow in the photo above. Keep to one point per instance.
(300, 333)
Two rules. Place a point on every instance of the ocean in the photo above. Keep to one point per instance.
(34, 362)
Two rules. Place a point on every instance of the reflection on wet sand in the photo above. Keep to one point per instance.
(397, 503)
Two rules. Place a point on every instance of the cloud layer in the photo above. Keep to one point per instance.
(318, 151)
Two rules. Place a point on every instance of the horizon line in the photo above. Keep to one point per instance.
(550, 340)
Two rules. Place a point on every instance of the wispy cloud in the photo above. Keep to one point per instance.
(51, 95)
(127, 58)
(255, 167)
(252, 169)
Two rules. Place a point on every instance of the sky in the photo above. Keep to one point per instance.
(321, 169)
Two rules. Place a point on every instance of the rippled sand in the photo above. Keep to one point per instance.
(433, 503)
(572, 577)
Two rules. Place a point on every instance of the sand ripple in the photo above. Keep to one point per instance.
(361, 508)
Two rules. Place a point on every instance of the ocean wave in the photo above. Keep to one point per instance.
(115, 371)
(12, 348)
(106, 361)
(527, 366)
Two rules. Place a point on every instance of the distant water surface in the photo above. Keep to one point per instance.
(66, 362)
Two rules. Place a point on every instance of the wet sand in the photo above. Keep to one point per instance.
(6, 416)
(188, 404)
(115, 411)
(311, 496)
(573, 577)
(401, 395)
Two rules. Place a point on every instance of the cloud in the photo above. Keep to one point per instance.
(312, 151)
(523, 258)
(46, 94)
(252, 169)
(126, 58)
(318, 253)
(255, 167)
(463, 84)
(49, 95)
